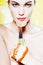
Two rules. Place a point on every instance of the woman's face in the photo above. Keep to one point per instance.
(21, 11)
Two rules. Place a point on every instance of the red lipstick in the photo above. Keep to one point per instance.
(21, 19)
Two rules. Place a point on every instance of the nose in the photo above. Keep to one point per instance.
(21, 11)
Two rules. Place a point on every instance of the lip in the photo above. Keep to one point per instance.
(21, 19)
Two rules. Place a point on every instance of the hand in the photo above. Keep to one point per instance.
(19, 52)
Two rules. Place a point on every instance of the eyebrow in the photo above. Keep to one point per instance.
(19, 4)
(28, 2)
(14, 2)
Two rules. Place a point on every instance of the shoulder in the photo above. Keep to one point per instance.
(35, 32)
(35, 38)
(2, 29)
(35, 29)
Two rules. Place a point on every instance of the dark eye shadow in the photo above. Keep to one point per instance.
(30, 2)
(14, 3)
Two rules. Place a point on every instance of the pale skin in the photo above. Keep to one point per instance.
(22, 8)
(4, 57)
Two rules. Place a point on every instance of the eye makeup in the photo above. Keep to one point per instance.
(28, 4)
(15, 4)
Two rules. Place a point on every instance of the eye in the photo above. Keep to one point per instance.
(15, 4)
(28, 4)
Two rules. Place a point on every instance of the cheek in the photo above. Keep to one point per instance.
(13, 11)
(28, 11)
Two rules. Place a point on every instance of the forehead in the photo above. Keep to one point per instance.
(22, 1)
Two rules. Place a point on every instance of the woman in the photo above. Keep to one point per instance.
(21, 11)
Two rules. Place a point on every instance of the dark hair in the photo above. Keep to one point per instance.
(8, 1)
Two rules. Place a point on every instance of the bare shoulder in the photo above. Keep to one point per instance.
(35, 42)
(35, 29)
(36, 32)
(4, 57)
(2, 29)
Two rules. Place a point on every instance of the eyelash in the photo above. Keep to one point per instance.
(29, 5)
(16, 4)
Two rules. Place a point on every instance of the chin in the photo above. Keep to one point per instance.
(21, 24)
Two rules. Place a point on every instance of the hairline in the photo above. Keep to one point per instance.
(9, 1)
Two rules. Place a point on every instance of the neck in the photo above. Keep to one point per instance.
(23, 29)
